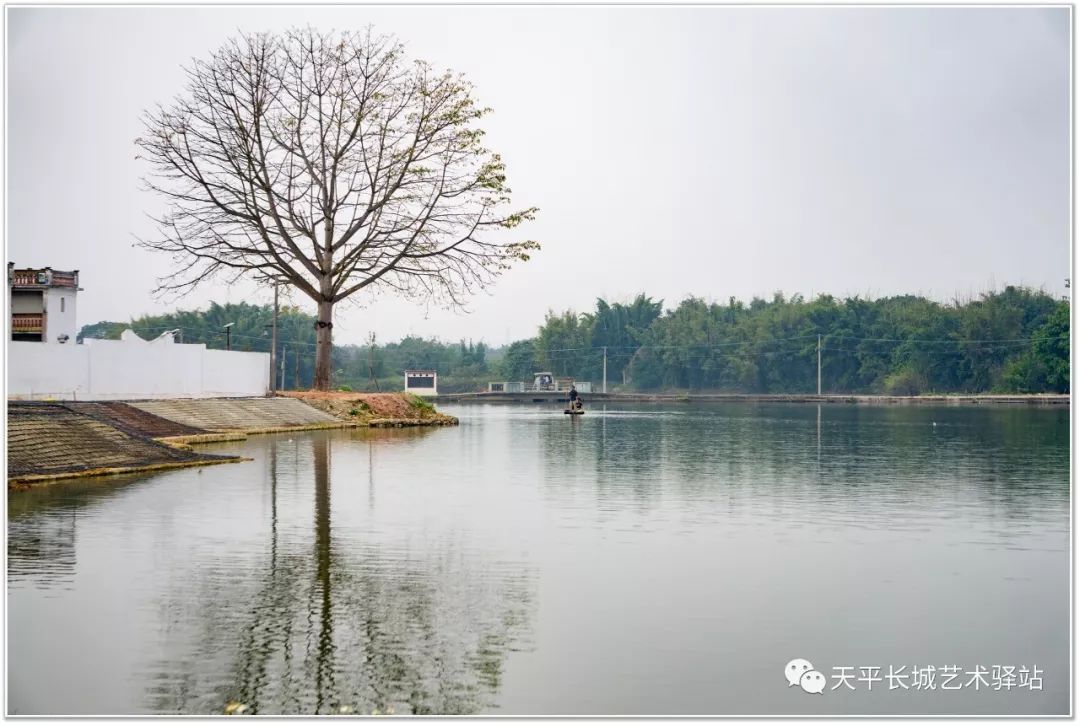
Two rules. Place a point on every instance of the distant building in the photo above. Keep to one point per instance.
(544, 381)
(42, 304)
(547, 381)
(422, 383)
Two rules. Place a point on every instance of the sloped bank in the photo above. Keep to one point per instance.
(240, 415)
(48, 441)
(377, 410)
(58, 440)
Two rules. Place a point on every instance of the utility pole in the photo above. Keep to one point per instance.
(273, 344)
(284, 354)
(296, 370)
(228, 336)
(605, 369)
(819, 365)
(371, 361)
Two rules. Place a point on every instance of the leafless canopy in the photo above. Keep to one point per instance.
(329, 162)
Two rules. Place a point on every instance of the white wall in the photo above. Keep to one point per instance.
(60, 318)
(122, 369)
(38, 370)
(229, 370)
(131, 369)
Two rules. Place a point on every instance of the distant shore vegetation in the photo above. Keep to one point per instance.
(1015, 340)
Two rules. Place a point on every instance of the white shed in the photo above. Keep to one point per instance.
(422, 383)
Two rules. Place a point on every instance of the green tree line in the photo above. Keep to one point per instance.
(1011, 341)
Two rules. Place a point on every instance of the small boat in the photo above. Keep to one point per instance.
(577, 407)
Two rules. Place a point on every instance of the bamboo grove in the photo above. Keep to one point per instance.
(1015, 340)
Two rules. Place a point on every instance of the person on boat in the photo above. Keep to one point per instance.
(573, 396)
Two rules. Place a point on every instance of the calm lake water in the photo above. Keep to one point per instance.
(638, 559)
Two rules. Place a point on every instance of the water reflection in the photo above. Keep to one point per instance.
(42, 527)
(350, 625)
(42, 550)
(799, 454)
(634, 560)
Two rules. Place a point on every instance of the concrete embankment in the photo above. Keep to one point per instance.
(60, 440)
(942, 400)
(132, 420)
(55, 441)
(240, 415)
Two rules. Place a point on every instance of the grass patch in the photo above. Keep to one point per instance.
(424, 406)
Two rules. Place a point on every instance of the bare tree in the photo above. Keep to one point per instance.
(328, 162)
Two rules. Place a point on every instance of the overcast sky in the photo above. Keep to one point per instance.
(713, 151)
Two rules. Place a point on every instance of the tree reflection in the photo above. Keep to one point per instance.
(42, 524)
(42, 549)
(355, 626)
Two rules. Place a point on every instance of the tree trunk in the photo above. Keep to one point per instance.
(324, 338)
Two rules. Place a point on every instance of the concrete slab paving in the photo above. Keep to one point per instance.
(238, 414)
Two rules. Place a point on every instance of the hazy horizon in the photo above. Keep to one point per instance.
(709, 151)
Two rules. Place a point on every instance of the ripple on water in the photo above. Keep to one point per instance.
(640, 559)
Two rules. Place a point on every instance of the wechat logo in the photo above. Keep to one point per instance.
(800, 672)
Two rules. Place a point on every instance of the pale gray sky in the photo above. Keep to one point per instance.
(716, 151)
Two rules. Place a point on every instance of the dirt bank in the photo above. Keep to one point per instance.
(375, 409)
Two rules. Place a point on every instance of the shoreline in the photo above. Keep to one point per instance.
(52, 441)
(975, 399)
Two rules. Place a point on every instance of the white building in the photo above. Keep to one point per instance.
(45, 363)
(422, 383)
(42, 304)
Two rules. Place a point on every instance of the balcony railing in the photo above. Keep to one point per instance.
(21, 278)
(43, 278)
(27, 322)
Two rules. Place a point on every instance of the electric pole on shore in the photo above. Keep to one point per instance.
(605, 369)
(284, 357)
(371, 361)
(819, 365)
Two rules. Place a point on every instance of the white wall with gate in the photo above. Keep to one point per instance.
(132, 369)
